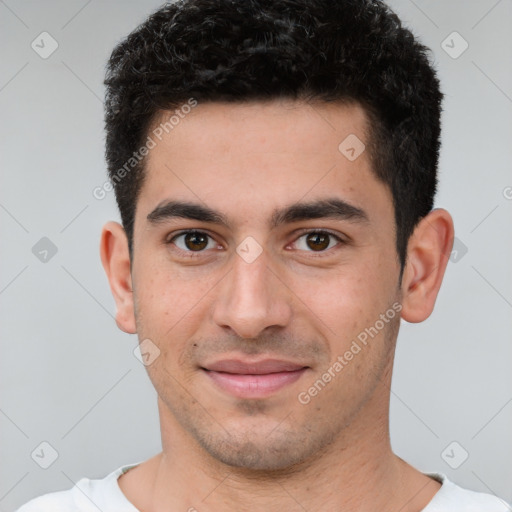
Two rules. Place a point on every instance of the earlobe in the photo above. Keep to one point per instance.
(428, 252)
(115, 258)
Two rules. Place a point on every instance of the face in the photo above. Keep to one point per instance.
(273, 296)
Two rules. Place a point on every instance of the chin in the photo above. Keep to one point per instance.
(259, 452)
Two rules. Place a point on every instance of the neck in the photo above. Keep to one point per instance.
(356, 472)
(349, 476)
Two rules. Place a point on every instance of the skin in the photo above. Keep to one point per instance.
(292, 302)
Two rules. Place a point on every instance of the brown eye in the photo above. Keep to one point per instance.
(196, 241)
(192, 241)
(318, 241)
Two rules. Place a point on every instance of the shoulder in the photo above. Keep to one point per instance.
(59, 501)
(87, 495)
(453, 498)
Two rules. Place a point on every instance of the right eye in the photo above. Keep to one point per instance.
(192, 241)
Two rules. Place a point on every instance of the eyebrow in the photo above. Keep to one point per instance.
(330, 208)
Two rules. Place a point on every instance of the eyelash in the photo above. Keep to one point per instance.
(195, 254)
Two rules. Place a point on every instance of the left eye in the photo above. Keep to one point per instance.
(318, 241)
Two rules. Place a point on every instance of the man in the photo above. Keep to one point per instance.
(274, 165)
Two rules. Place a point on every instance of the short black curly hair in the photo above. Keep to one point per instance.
(257, 50)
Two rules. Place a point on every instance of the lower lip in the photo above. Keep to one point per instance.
(254, 386)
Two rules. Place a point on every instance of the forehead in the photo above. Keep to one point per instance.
(255, 156)
(275, 126)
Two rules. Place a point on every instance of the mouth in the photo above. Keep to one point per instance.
(253, 379)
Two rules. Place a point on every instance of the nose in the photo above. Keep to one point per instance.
(252, 297)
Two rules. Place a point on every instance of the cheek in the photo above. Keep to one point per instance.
(344, 301)
(170, 305)
(163, 296)
(163, 313)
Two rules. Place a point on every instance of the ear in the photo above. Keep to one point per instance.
(428, 252)
(115, 258)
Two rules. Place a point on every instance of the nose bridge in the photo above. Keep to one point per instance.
(252, 297)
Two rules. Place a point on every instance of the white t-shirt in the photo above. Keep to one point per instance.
(105, 495)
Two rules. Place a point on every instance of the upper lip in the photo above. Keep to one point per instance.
(253, 367)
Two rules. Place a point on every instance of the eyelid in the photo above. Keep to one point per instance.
(306, 231)
(171, 236)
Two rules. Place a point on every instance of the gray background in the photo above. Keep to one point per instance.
(69, 376)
